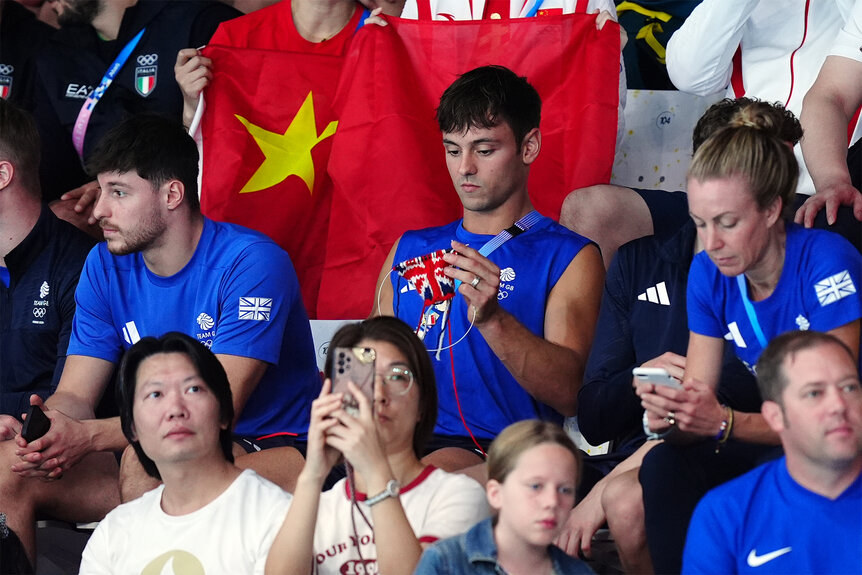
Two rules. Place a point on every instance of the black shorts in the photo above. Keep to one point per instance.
(442, 441)
(668, 210)
(252, 444)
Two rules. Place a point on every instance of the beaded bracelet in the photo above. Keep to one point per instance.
(724, 429)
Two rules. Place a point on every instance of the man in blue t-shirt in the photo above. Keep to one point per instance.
(801, 513)
(164, 267)
(512, 342)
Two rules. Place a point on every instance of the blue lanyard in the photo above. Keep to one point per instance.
(535, 9)
(83, 119)
(518, 228)
(749, 309)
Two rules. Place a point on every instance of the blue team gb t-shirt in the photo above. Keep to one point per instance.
(238, 295)
(818, 289)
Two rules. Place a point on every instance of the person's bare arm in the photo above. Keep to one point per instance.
(74, 430)
(698, 412)
(828, 107)
(551, 369)
(398, 548)
(588, 516)
(383, 296)
(696, 408)
(292, 550)
(243, 374)
(703, 359)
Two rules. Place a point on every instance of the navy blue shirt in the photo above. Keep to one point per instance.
(21, 38)
(643, 315)
(36, 310)
(73, 63)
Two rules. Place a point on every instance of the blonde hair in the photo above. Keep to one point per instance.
(751, 147)
(521, 436)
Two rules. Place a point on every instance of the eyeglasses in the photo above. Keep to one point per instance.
(397, 380)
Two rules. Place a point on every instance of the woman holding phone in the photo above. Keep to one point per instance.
(391, 505)
(759, 275)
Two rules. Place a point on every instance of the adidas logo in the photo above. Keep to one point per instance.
(130, 333)
(656, 294)
(734, 335)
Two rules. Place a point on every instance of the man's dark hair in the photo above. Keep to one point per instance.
(486, 97)
(393, 330)
(771, 377)
(720, 114)
(157, 148)
(20, 145)
(208, 367)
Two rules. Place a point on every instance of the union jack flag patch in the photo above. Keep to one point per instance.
(255, 308)
(835, 287)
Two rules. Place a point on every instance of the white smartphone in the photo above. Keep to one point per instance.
(656, 376)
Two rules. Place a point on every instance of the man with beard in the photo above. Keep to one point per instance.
(164, 267)
(97, 36)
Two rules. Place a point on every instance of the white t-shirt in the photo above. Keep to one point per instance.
(230, 535)
(437, 504)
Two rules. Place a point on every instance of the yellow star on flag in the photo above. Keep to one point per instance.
(287, 154)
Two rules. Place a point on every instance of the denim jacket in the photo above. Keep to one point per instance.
(476, 552)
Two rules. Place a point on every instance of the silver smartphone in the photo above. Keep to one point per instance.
(354, 364)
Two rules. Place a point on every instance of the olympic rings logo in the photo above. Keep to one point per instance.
(147, 59)
(39, 311)
(6, 69)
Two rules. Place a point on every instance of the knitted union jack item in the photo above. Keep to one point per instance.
(425, 275)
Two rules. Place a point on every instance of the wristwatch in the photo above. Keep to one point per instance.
(393, 488)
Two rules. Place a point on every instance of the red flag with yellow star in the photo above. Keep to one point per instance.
(387, 159)
(266, 138)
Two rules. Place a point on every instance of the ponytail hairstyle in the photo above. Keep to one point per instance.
(754, 146)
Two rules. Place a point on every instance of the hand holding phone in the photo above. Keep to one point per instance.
(656, 376)
(36, 424)
(354, 364)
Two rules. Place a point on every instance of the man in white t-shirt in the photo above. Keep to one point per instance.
(176, 411)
